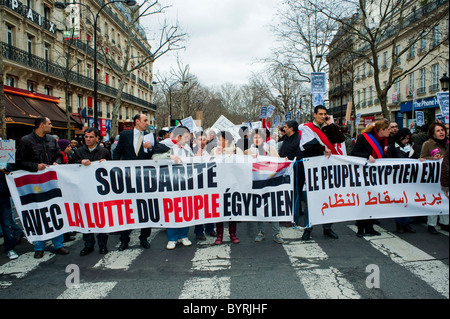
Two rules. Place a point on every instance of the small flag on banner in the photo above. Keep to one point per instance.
(266, 174)
(37, 188)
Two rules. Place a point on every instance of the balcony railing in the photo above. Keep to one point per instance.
(29, 60)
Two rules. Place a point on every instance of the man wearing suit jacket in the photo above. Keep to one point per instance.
(132, 146)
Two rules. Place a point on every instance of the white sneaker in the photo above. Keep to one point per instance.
(12, 254)
(185, 241)
(171, 245)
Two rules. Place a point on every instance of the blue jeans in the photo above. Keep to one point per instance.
(173, 234)
(6, 223)
(57, 243)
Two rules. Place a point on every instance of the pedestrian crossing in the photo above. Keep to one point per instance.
(319, 283)
(320, 268)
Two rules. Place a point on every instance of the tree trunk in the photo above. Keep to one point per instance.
(116, 109)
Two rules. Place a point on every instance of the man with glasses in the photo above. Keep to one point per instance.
(393, 128)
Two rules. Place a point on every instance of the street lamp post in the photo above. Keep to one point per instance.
(63, 5)
(444, 82)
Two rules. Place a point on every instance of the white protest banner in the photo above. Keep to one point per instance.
(318, 82)
(270, 110)
(190, 124)
(222, 123)
(443, 100)
(317, 99)
(420, 118)
(7, 151)
(276, 121)
(343, 188)
(117, 195)
(288, 116)
(263, 114)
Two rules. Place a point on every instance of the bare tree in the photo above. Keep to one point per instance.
(304, 34)
(376, 25)
(170, 39)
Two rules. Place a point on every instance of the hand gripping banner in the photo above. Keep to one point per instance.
(117, 195)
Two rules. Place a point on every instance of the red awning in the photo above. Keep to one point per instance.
(23, 107)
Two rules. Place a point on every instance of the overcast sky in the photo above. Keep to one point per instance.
(225, 38)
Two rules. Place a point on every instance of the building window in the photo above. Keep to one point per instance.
(423, 42)
(79, 102)
(435, 36)
(364, 97)
(423, 78)
(46, 52)
(385, 60)
(397, 86)
(411, 52)
(31, 86)
(48, 90)
(411, 83)
(47, 11)
(9, 35)
(29, 44)
(11, 80)
(435, 77)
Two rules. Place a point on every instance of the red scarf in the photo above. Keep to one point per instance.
(322, 137)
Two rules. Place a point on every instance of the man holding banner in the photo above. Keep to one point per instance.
(132, 146)
(37, 151)
(177, 149)
(91, 151)
(320, 137)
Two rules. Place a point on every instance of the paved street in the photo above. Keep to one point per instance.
(411, 266)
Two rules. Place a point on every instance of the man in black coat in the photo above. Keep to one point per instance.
(91, 151)
(35, 152)
(318, 138)
(132, 146)
(38, 150)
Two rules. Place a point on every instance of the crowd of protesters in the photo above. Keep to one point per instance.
(37, 150)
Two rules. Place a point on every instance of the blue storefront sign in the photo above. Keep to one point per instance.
(420, 104)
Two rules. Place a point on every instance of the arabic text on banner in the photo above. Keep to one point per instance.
(343, 188)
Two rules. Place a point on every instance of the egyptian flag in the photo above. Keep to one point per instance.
(37, 188)
(266, 174)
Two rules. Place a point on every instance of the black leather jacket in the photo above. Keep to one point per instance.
(33, 150)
